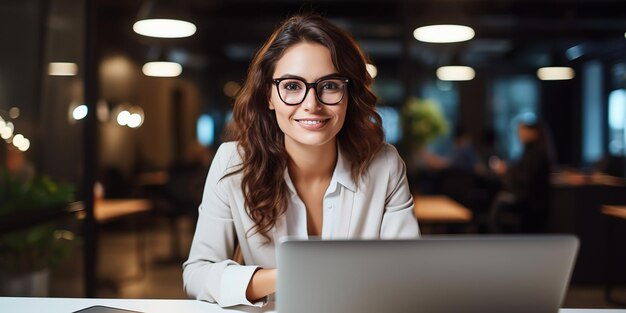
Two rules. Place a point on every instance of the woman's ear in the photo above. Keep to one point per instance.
(269, 103)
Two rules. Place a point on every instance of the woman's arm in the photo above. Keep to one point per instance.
(209, 273)
(262, 284)
(399, 216)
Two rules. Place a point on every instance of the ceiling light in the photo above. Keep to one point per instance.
(555, 73)
(162, 69)
(455, 73)
(443, 33)
(62, 69)
(163, 19)
(164, 28)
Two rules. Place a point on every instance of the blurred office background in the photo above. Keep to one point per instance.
(125, 150)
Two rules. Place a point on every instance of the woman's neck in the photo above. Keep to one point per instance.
(311, 162)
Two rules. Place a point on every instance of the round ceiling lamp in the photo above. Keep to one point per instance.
(164, 28)
(444, 33)
(455, 73)
(62, 69)
(556, 73)
(162, 69)
(163, 19)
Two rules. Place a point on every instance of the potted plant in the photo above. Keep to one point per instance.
(423, 121)
(26, 255)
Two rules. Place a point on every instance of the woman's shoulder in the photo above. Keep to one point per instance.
(387, 152)
(388, 158)
(228, 154)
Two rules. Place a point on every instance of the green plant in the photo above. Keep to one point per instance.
(423, 121)
(39, 246)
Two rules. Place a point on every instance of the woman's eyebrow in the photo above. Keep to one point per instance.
(318, 79)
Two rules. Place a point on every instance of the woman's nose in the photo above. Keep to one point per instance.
(310, 102)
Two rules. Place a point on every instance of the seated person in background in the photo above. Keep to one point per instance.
(309, 160)
(464, 157)
(527, 181)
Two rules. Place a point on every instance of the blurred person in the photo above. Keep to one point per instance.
(489, 152)
(526, 182)
(464, 157)
(309, 160)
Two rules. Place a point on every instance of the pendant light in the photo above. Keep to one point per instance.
(557, 70)
(163, 19)
(160, 66)
(62, 69)
(455, 71)
(444, 33)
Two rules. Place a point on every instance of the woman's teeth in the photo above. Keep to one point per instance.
(309, 122)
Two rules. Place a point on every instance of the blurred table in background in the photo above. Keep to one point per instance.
(112, 210)
(436, 212)
(107, 210)
(576, 208)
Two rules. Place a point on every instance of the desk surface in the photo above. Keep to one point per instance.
(67, 305)
(440, 209)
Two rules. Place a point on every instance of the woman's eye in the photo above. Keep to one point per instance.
(330, 85)
(291, 86)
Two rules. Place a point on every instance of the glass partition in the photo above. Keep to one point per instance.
(41, 93)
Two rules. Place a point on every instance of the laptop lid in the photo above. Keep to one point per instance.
(456, 274)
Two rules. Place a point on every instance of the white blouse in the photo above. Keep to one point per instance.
(380, 206)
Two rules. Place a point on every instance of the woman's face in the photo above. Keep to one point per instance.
(309, 123)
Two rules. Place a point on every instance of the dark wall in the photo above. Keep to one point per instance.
(473, 106)
(21, 34)
(560, 104)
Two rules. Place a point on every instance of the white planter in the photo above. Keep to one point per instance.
(34, 284)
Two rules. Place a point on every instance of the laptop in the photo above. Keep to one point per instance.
(448, 274)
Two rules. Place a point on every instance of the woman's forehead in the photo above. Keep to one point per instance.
(307, 60)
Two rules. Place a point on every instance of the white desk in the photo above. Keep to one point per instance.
(67, 305)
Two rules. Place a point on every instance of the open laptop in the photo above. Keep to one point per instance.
(455, 274)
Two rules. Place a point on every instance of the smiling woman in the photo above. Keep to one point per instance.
(309, 160)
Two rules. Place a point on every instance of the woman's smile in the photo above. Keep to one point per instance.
(312, 123)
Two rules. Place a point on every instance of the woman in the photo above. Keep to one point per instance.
(309, 160)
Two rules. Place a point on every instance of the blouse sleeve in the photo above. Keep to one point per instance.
(399, 220)
(209, 274)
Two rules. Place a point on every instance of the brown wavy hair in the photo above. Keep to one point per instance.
(260, 140)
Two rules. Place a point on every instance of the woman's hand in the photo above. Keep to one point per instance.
(262, 284)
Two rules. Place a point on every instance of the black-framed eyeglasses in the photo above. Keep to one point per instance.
(293, 91)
